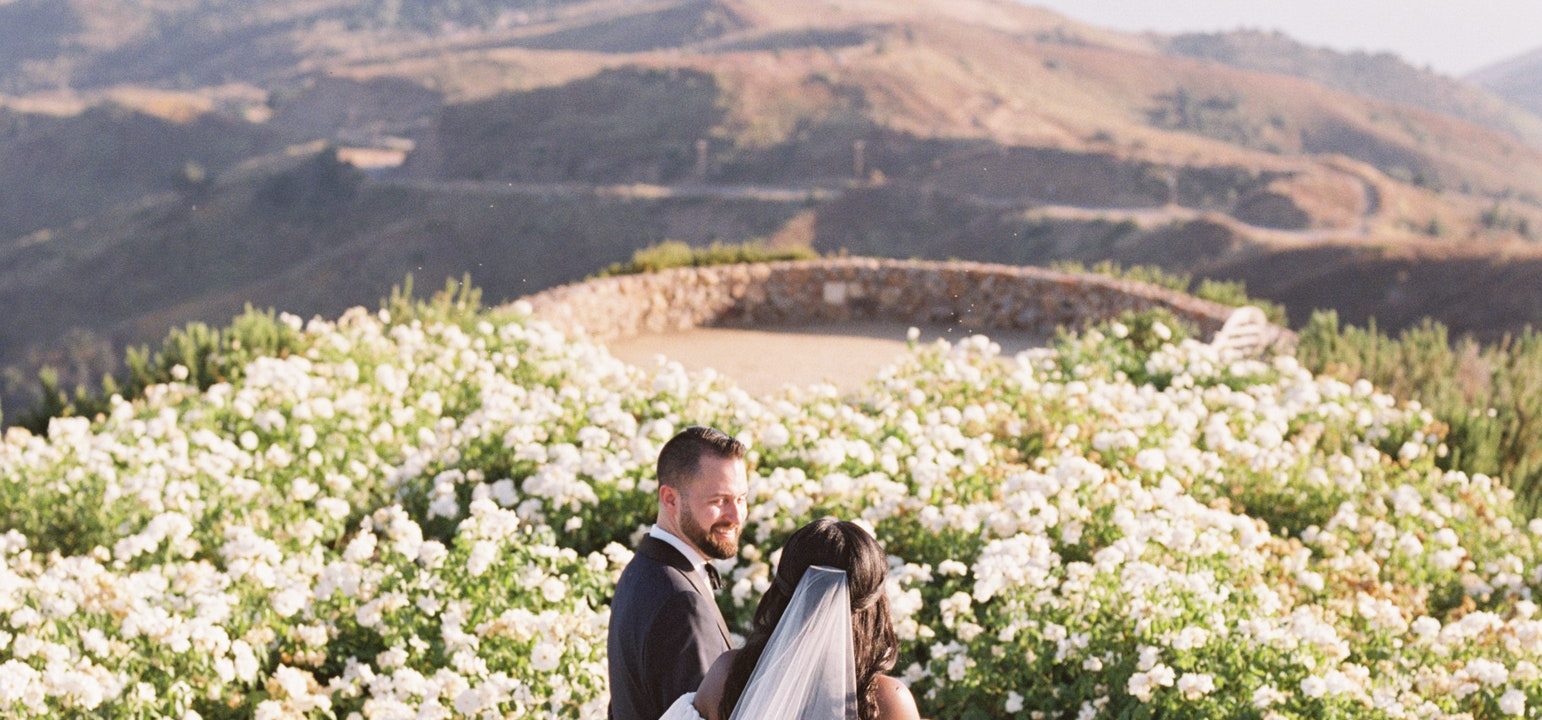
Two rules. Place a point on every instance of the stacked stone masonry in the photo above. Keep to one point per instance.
(976, 296)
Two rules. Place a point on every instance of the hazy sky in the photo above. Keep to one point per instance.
(1452, 36)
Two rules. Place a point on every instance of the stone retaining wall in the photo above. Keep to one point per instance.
(976, 296)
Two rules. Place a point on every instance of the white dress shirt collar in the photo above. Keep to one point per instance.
(698, 563)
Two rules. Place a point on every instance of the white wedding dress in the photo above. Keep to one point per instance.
(683, 709)
(808, 669)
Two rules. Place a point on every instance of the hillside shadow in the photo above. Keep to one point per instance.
(186, 49)
(799, 39)
(328, 107)
(54, 170)
(32, 30)
(623, 125)
(670, 27)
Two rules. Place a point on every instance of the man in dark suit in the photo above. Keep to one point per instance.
(665, 626)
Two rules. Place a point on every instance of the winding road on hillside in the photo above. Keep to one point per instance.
(1143, 217)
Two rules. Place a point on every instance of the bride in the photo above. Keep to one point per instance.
(821, 642)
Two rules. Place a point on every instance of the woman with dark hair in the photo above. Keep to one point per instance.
(821, 642)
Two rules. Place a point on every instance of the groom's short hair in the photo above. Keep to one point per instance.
(682, 455)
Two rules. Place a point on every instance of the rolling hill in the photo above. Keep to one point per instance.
(1383, 76)
(306, 231)
(171, 160)
(1518, 79)
(56, 170)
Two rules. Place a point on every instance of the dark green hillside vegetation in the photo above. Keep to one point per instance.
(1489, 395)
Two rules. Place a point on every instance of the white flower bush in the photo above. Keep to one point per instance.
(423, 517)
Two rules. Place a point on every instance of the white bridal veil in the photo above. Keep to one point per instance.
(808, 669)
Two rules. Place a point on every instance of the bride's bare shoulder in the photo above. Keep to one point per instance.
(711, 691)
(894, 700)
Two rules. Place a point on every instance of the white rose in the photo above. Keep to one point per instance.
(468, 702)
(1313, 686)
(245, 660)
(1195, 685)
(482, 555)
(289, 601)
(553, 589)
(1513, 702)
(1151, 460)
(360, 548)
(545, 657)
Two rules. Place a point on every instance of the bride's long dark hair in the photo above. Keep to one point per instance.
(845, 546)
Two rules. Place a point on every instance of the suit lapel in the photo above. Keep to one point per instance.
(706, 592)
(663, 552)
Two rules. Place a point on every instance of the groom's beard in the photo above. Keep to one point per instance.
(719, 545)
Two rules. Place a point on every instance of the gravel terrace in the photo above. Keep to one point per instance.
(761, 360)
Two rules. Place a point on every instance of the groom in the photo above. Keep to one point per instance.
(665, 627)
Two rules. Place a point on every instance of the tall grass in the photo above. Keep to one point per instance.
(213, 355)
(209, 355)
(1490, 396)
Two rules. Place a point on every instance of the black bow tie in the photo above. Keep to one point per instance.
(713, 577)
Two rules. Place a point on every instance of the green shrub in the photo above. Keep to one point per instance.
(1150, 274)
(674, 253)
(1489, 396)
(214, 355)
(1235, 294)
(457, 303)
(209, 356)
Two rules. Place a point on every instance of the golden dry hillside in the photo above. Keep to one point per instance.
(171, 160)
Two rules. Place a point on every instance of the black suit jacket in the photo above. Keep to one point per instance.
(665, 632)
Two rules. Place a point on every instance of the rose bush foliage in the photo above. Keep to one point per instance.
(422, 517)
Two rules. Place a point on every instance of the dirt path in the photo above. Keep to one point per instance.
(761, 360)
(1145, 217)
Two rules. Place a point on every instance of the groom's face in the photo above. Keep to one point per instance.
(711, 507)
